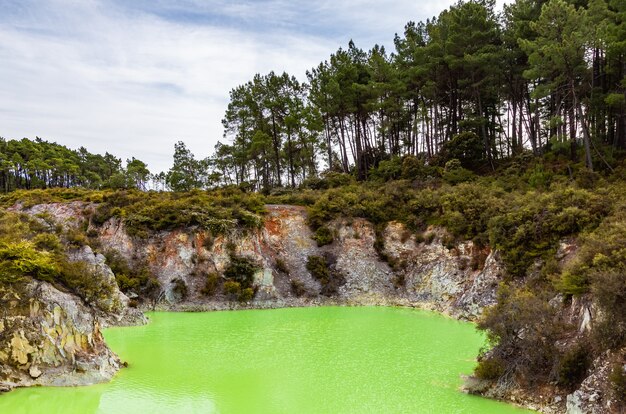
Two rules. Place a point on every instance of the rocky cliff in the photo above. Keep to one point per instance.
(456, 279)
(50, 337)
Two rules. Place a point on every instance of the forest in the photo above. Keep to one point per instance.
(471, 85)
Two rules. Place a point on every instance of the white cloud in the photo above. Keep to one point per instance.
(88, 73)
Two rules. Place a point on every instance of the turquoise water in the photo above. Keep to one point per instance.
(304, 360)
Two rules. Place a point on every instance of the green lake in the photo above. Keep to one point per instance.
(304, 360)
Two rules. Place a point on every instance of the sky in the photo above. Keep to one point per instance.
(132, 77)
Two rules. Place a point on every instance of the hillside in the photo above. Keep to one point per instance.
(537, 263)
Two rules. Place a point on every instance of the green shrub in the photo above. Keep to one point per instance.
(130, 278)
(489, 369)
(466, 147)
(617, 378)
(587, 179)
(538, 221)
(387, 170)
(320, 269)
(76, 238)
(538, 178)
(323, 236)
(211, 285)
(522, 329)
(609, 291)
(454, 173)
(49, 242)
(602, 251)
(573, 366)
(81, 278)
(241, 269)
(413, 168)
(334, 179)
(21, 258)
(232, 289)
(297, 287)
(246, 295)
(217, 211)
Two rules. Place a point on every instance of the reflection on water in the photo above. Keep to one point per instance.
(315, 360)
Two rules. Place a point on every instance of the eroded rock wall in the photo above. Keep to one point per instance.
(53, 337)
(452, 279)
(49, 337)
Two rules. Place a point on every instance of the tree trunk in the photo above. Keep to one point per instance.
(586, 137)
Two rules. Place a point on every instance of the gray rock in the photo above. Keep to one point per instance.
(34, 371)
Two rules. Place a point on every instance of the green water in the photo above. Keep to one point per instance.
(311, 360)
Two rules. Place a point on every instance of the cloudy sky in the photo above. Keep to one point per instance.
(132, 77)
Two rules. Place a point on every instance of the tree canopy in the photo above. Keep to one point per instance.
(541, 77)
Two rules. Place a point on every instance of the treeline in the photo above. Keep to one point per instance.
(469, 84)
(27, 164)
(38, 164)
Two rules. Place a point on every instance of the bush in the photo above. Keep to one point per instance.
(130, 278)
(412, 168)
(297, 287)
(466, 147)
(246, 295)
(539, 221)
(573, 366)
(232, 289)
(489, 369)
(457, 175)
(387, 170)
(522, 329)
(21, 258)
(601, 252)
(609, 290)
(81, 278)
(241, 269)
(216, 211)
(539, 179)
(76, 238)
(211, 285)
(617, 378)
(323, 236)
(49, 242)
(320, 269)
(587, 179)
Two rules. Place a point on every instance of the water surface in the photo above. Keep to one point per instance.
(307, 360)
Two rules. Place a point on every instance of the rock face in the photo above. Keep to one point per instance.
(459, 280)
(51, 337)
(592, 396)
(48, 337)
(119, 313)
